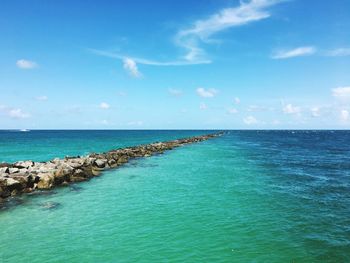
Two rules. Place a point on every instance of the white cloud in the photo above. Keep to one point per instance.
(237, 100)
(104, 122)
(26, 64)
(14, 113)
(344, 115)
(175, 92)
(42, 98)
(104, 105)
(206, 93)
(339, 52)
(148, 61)
(17, 114)
(232, 111)
(341, 92)
(203, 106)
(297, 52)
(290, 109)
(315, 112)
(202, 30)
(250, 120)
(131, 66)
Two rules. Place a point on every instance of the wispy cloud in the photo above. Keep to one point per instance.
(344, 115)
(206, 93)
(26, 64)
(290, 109)
(41, 98)
(338, 52)
(315, 112)
(203, 106)
(202, 30)
(14, 113)
(199, 32)
(250, 120)
(131, 67)
(297, 52)
(144, 61)
(18, 114)
(341, 93)
(104, 105)
(232, 111)
(175, 92)
(237, 100)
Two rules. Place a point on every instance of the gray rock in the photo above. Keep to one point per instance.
(100, 163)
(4, 170)
(23, 164)
(13, 170)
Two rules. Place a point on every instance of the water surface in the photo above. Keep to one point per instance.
(248, 196)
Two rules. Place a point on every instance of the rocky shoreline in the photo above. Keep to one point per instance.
(28, 176)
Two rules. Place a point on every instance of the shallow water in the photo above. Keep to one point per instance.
(249, 196)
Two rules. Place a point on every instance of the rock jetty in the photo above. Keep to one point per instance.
(28, 176)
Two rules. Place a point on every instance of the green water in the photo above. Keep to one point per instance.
(206, 202)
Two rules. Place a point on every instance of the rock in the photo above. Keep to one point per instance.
(4, 170)
(26, 176)
(23, 164)
(122, 159)
(13, 170)
(100, 163)
(46, 181)
(112, 163)
(5, 165)
(11, 182)
(62, 175)
(50, 205)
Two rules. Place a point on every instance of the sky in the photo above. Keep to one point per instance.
(172, 64)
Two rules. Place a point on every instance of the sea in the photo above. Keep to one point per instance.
(246, 196)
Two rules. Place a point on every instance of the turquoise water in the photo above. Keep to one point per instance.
(248, 196)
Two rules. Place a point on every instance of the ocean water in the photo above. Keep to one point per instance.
(248, 196)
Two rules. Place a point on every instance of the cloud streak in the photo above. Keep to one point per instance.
(339, 52)
(202, 30)
(297, 52)
(192, 38)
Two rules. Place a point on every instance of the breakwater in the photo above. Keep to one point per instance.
(28, 176)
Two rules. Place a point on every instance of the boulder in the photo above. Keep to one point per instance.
(112, 163)
(46, 181)
(23, 164)
(100, 163)
(13, 170)
(122, 159)
(4, 170)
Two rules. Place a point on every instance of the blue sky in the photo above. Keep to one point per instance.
(210, 64)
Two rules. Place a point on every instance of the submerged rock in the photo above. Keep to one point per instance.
(50, 205)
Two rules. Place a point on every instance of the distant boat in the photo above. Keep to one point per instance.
(24, 130)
